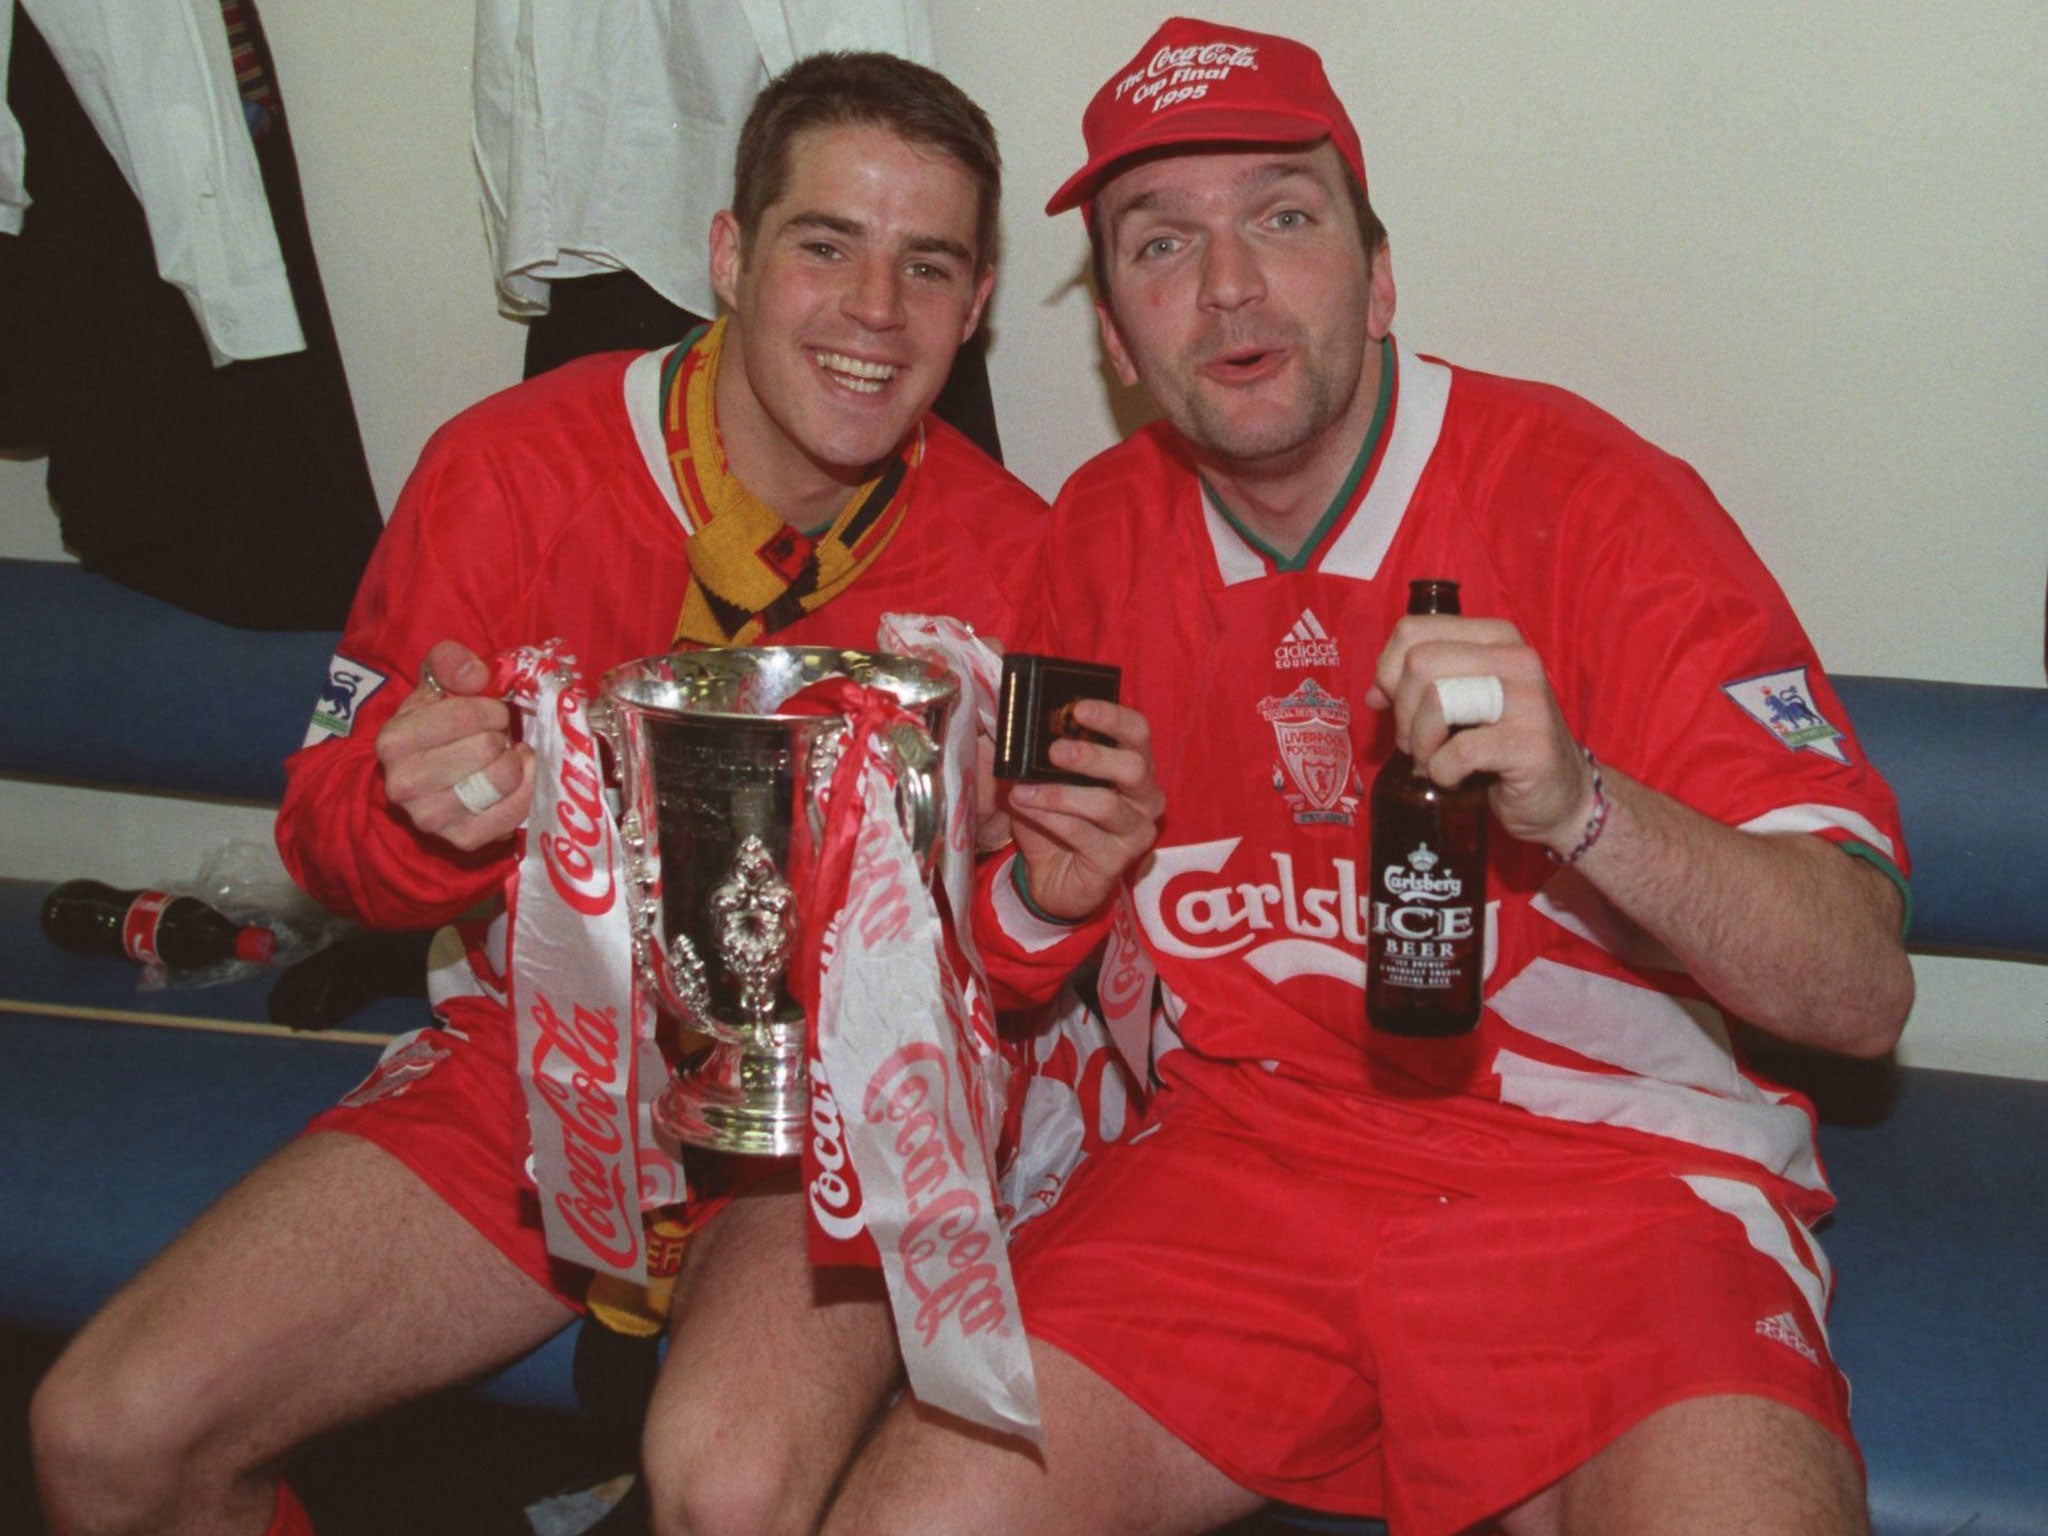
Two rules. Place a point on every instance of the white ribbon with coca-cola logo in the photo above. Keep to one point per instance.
(978, 668)
(1066, 1098)
(587, 1058)
(907, 1085)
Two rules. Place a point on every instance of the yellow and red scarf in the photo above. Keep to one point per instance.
(750, 572)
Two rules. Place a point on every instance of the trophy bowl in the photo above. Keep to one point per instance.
(713, 778)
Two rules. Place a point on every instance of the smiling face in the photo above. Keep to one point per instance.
(848, 299)
(1240, 294)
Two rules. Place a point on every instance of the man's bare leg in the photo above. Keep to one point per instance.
(1108, 1467)
(774, 1372)
(1708, 1465)
(328, 1284)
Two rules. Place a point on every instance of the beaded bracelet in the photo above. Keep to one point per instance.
(1595, 824)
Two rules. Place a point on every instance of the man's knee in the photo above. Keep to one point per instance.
(113, 1433)
(719, 1480)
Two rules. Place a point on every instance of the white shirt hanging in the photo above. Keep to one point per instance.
(158, 84)
(605, 129)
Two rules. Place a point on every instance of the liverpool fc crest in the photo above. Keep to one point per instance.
(1315, 774)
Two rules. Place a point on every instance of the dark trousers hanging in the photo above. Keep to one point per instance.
(239, 493)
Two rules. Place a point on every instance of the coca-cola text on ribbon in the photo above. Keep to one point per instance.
(834, 1188)
(944, 1248)
(577, 849)
(595, 1144)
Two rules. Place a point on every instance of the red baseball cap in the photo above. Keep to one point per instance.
(1195, 82)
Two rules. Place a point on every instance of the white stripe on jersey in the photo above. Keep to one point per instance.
(1776, 1137)
(1281, 960)
(643, 410)
(1425, 390)
(1821, 818)
(1765, 1227)
(1652, 1034)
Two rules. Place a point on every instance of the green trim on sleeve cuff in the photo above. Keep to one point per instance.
(1862, 850)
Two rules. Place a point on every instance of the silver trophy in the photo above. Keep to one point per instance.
(713, 778)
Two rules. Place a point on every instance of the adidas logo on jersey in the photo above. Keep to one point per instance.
(1783, 1328)
(1307, 644)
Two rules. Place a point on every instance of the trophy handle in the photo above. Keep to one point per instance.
(920, 804)
(918, 791)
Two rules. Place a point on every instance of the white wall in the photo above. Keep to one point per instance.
(1800, 246)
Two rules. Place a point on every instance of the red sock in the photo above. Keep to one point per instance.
(290, 1517)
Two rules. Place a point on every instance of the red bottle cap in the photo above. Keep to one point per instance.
(255, 945)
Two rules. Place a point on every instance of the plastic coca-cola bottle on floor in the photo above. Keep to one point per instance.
(181, 933)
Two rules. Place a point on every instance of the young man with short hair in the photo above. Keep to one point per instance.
(775, 478)
(1558, 1277)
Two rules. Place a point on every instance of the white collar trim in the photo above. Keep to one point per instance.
(643, 410)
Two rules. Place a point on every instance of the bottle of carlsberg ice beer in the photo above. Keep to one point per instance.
(1426, 941)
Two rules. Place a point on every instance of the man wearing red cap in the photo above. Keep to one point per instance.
(1558, 1276)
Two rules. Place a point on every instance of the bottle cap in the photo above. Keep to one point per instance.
(255, 945)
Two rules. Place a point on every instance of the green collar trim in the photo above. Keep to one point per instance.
(1300, 558)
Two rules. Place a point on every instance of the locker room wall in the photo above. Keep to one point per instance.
(1797, 246)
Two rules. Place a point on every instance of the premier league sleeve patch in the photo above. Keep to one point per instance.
(1782, 703)
(348, 687)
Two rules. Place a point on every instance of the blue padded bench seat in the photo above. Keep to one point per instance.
(1969, 763)
(116, 690)
(105, 686)
(124, 1113)
(1940, 1317)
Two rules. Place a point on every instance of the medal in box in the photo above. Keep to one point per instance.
(1036, 709)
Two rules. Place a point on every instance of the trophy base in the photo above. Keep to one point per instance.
(730, 1098)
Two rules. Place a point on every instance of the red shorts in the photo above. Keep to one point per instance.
(447, 1104)
(1424, 1319)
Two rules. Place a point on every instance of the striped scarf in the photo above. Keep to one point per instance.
(752, 574)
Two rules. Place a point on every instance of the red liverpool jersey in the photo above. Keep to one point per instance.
(1672, 654)
(549, 511)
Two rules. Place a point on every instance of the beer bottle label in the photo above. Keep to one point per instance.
(1424, 921)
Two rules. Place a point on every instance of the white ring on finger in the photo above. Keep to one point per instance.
(1470, 700)
(476, 792)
